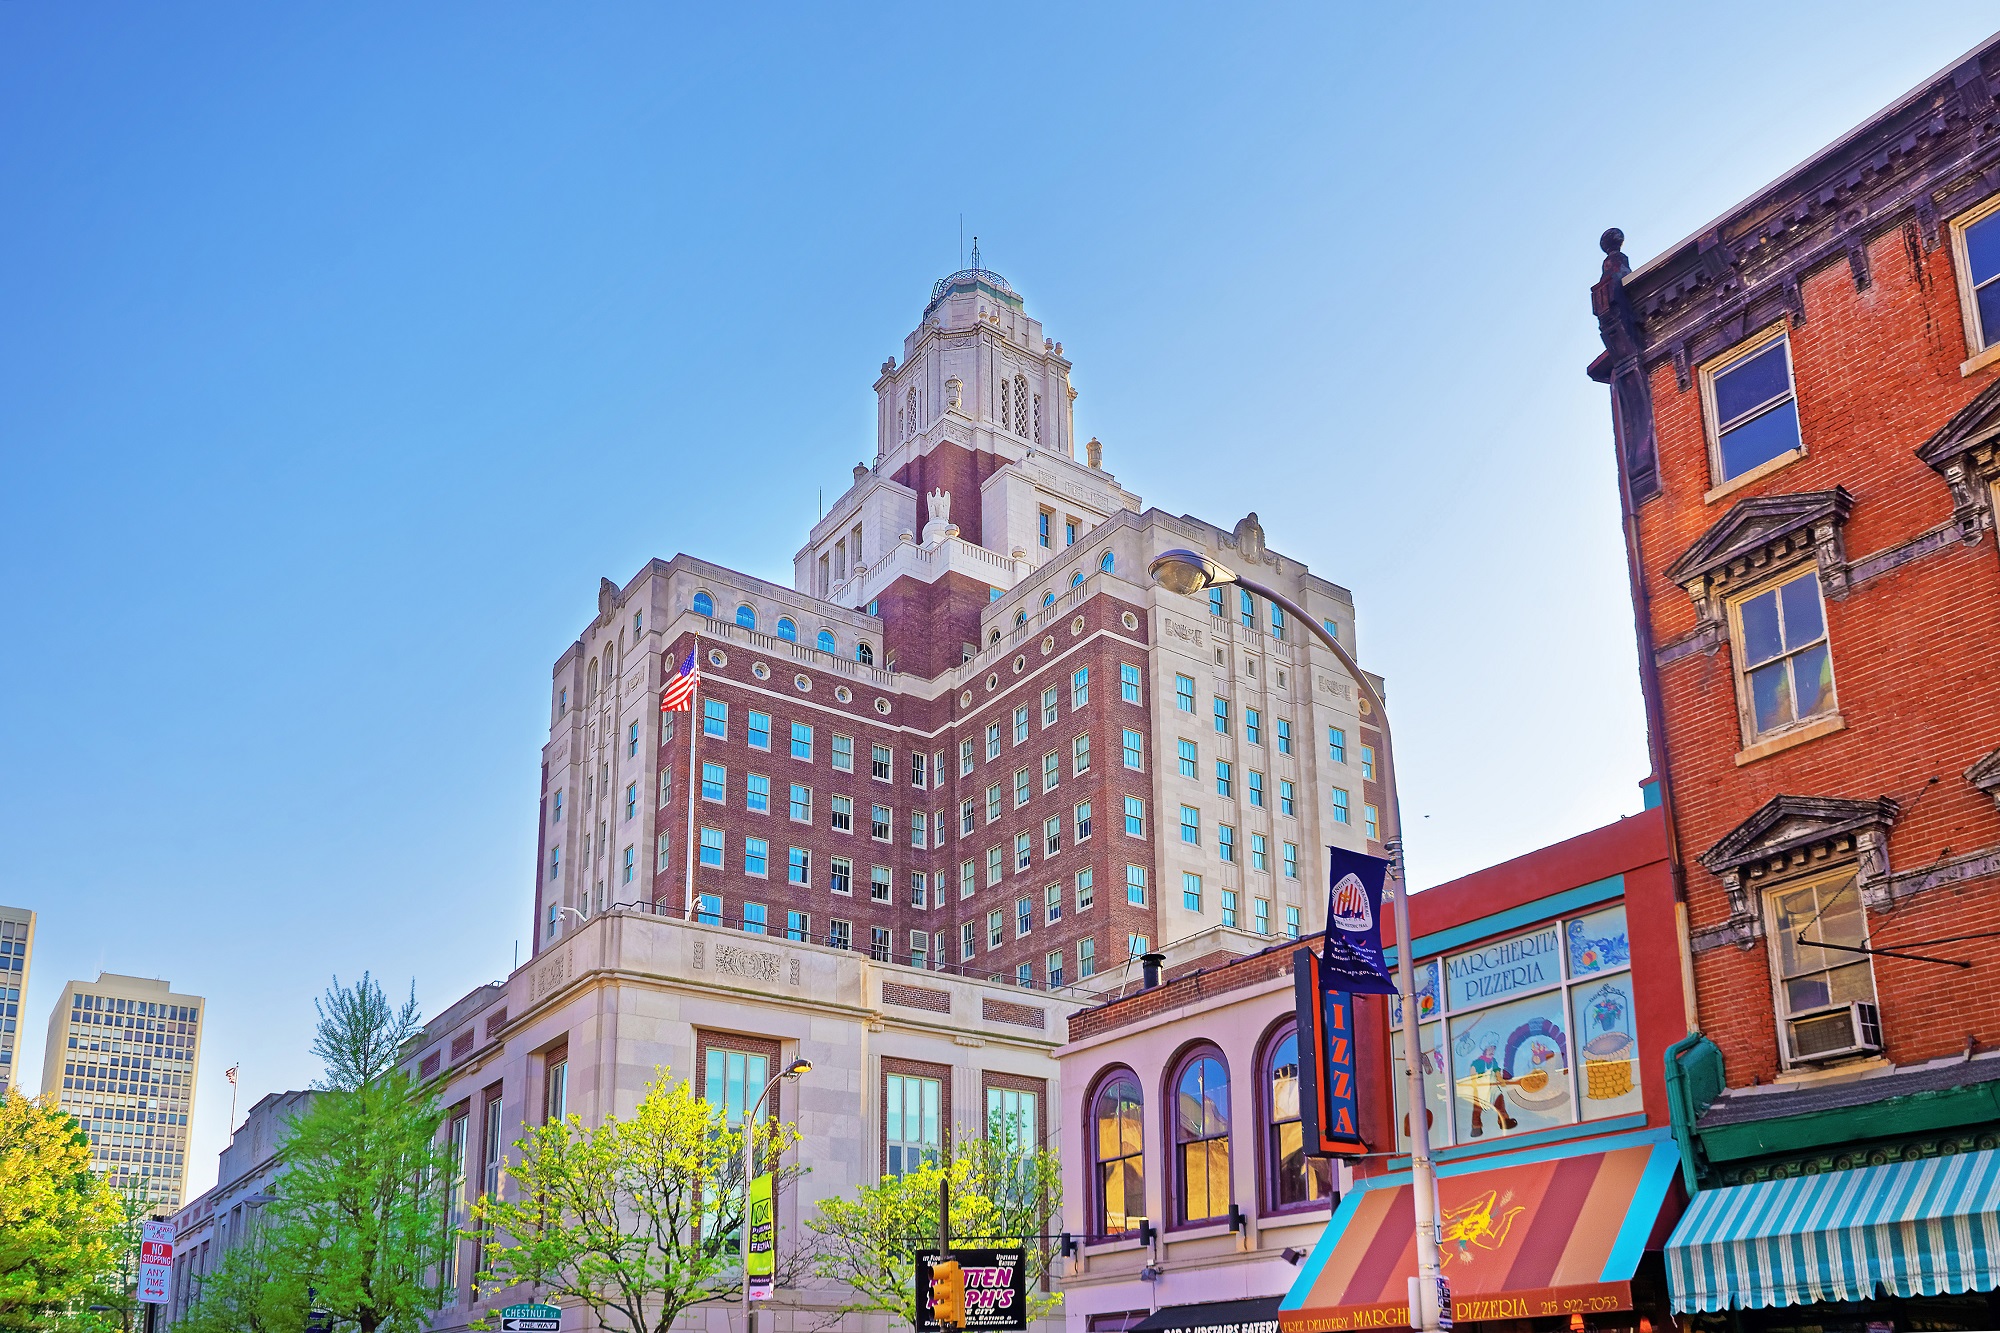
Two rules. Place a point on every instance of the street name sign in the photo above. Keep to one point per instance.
(531, 1319)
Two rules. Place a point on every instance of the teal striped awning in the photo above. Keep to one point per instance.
(1917, 1228)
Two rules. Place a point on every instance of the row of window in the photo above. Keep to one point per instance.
(786, 628)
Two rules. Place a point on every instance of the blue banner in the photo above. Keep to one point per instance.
(1351, 957)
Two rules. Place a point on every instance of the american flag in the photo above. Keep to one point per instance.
(678, 697)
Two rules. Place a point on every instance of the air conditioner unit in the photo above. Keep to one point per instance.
(1833, 1034)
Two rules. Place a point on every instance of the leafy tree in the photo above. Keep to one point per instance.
(238, 1296)
(59, 1221)
(360, 1226)
(1004, 1193)
(636, 1219)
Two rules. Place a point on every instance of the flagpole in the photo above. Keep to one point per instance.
(694, 718)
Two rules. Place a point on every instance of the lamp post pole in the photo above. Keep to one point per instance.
(1189, 573)
(791, 1071)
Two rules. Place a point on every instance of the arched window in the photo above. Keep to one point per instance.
(1119, 1174)
(1201, 1138)
(746, 617)
(994, 636)
(1020, 619)
(1076, 578)
(787, 630)
(864, 654)
(910, 414)
(1107, 562)
(1020, 404)
(704, 605)
(1006, 418)
(1048, 599)
(1293, 1178)
(1248, 605)
(825, 641)
(1215, 602)
(593, 678)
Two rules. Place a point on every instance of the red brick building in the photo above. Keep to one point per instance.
(971, 733)
(1806, 398)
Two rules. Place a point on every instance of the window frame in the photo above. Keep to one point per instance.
(1780, 1005)
(1721, 363)
(1740, 666)
(1976, 341)
(1105, 1081)
(1176, 1182)
(1270, 1171)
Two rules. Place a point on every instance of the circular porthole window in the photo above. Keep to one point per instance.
(882, 706)
(802, 683)
(992, 682)
(1020, 665)
(1076, 627)
(717, 658)
(1048, 645)
(760, 670)
(842, 694)
(965, 698)
(1129, 621)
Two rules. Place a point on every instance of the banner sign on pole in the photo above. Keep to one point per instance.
(1351, 953)
(531, 1318)
(156, 1261)
(996, 1289)
(1329, 1096)
(761, 1264)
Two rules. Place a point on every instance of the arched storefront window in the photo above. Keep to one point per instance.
(1292, 1177)
(1201, 1138)
(1119, 1173)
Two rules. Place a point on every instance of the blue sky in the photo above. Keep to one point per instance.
(343, 349)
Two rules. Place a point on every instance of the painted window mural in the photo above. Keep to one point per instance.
(1537, 1031)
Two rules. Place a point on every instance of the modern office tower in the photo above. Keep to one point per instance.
(17, 944)
(123, 1053)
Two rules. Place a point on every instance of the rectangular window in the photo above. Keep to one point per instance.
(1023, 787)
(666, 786)
(996, 929)
(632, 741)
(1225, 842)
(842, 813)
(1340, 805)
(1082, 820)
(1079, 688)
(965, 757)
(1135, 816)
(1024, 916)
(968, 816)
(1051, 697)
(995, 798)
(843, 754)
(799, 926)
(1191, 826)
(630, 864)
(920, 889)
(919, 765)
(1052, 904)
(1260, 852)
(1024, 851)
(1190, 891)
(1086, 889)
(882, 763)
(1368, 762)
(756, 857)
(968, 876)
(1785, 671)
(1024, 974)
(1044, 520)
(1291, 851)
(839, 934)
(1291, 923)
(1134, 750)
(1976, 246)
(1128, 683)
(1254, 781)
(920, 949)
(711, 847)
(801, 807)
(1079, 753)
(937, 769)
(1221, 715)
(1261, 915)
(555, 862)
(1137, 946)
(1751, 405)
(968, 942)
(1246, 608)
(1253, 726)
(881, 887)
(631, 799)
(1190, 760)
(714, 782)
(757, 794)
(1086, 958)
(1229, 907)
(881, 823)
(840, 875)
(1052, 835)
(1021, 724)
(992, 740)
(1135, 885)
(1277, 625)
(755, 919)
(1284, 736)
(799, 867)
(715, 718)
(1184, 693)
(760, 731)
(1817, 984)
(1054, 966)
(996, 864)
(1287, 797)
(802, 741)
(1336, 745)
(660, 856)
(708, 909)
(1051, 770)
(920, 829)
(555, 1089)
(1371, 823)
(1225, 778)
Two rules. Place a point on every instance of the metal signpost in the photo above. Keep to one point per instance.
(531, 1319)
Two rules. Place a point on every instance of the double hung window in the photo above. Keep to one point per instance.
(1753, 413)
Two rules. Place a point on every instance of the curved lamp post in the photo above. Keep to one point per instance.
(790, 1071)
(1190, 573)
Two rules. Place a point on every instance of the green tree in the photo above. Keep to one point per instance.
(637, 1218)
(1004, 1193)
(238, 1296)
(360, 1226)
(60, 1223)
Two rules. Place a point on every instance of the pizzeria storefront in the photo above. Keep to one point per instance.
(1548, 989)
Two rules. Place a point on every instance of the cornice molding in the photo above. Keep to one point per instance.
(1794, 835)
(1761, 535)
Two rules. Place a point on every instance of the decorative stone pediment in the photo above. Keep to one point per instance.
(1966, 453)
(1761, 535)
(1797, 835)
(1985, 775)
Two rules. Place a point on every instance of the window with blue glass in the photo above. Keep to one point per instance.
(825, 641)
(1246, 608)
(704, 605)
(1128, 682)
(746, 617)
(760, 731)
(711, 847)
(1190, 758)
(1979, 261)
(714, 782)
(787, 631)
(757, 794)
(1785, 666)
(715, 718)
(1753, 410)
(756, 857)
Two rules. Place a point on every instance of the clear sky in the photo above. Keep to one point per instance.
(344, 348)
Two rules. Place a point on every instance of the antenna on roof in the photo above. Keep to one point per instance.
(975, 252)
(961, 240)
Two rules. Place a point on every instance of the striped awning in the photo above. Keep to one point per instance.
(1920, 1228)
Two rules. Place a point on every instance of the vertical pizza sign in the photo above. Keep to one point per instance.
(156, 1261)
(1329, 1098)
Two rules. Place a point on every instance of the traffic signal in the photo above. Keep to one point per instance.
(948, 1294)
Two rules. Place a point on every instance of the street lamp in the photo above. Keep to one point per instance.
(790, 1071)
(1190, 573)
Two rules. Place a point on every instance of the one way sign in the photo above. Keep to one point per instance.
(531, 1319)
